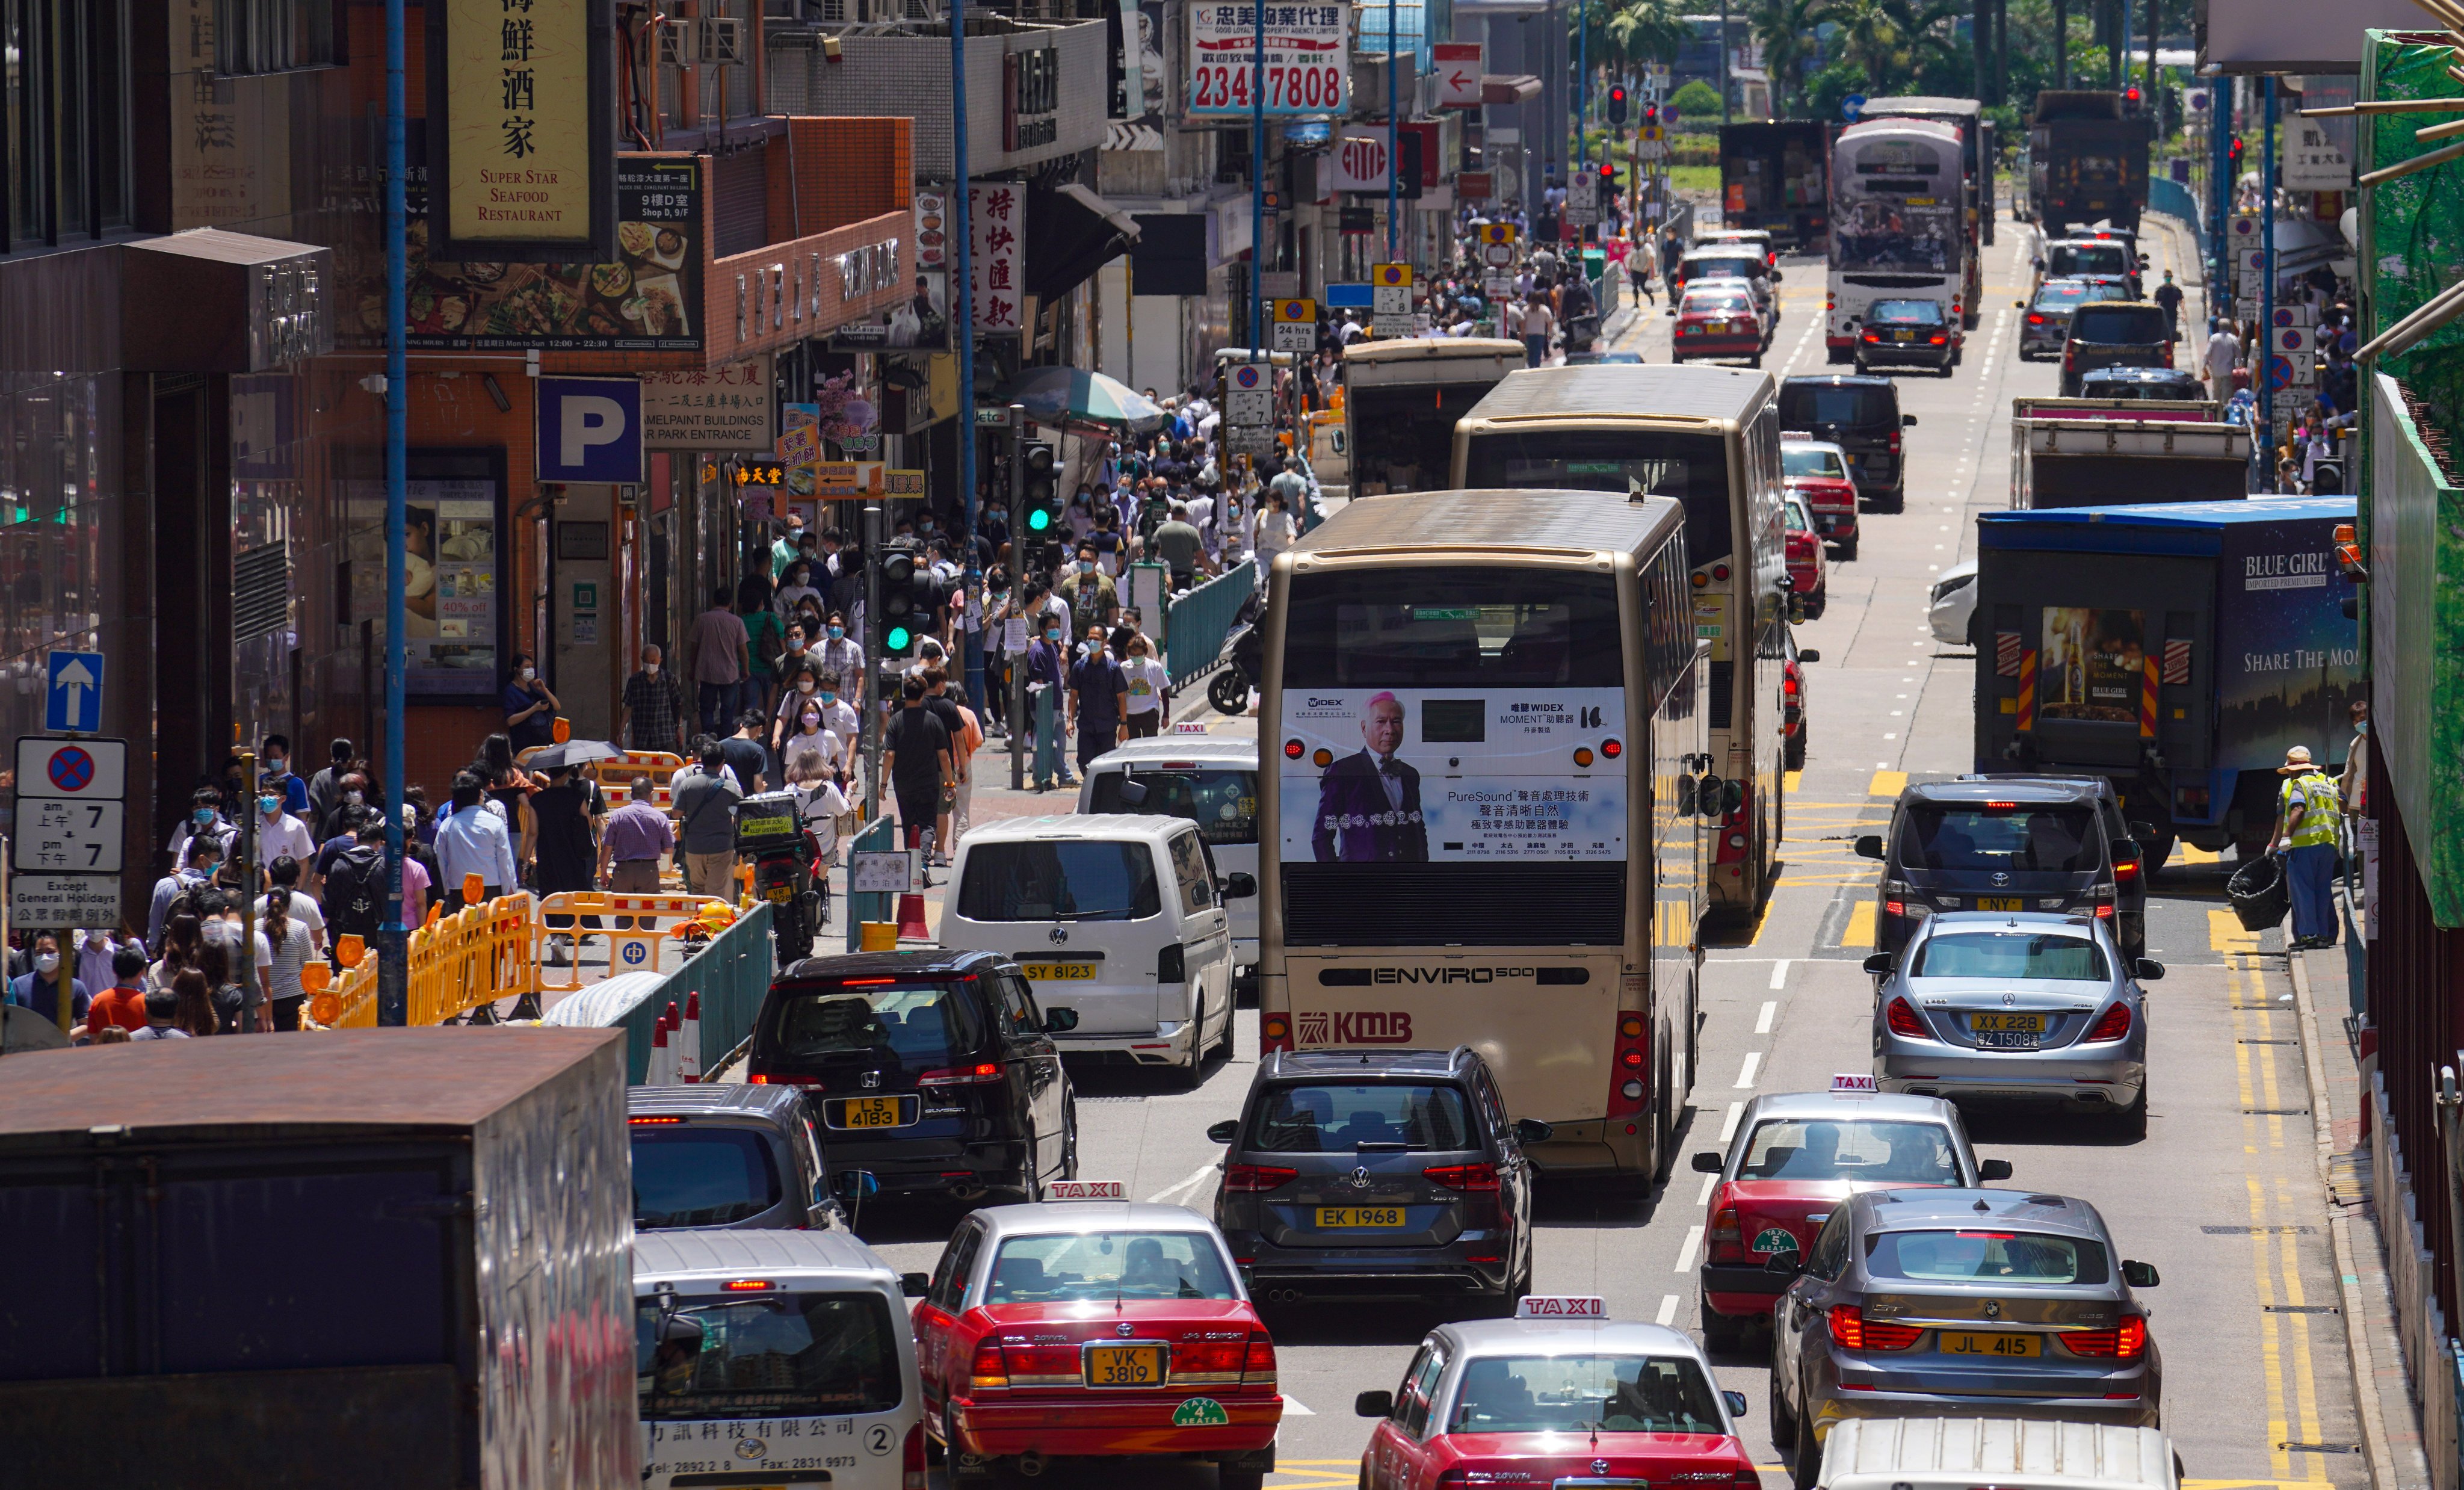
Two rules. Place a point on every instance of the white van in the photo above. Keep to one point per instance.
(1210, 779)
(783, 1354)
(1119, 919)
(2008, 1454)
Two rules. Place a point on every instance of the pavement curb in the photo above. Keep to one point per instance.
(2360, 1358)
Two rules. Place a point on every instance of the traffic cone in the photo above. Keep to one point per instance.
(663, 1061)
(910, 919)
(689, 1051)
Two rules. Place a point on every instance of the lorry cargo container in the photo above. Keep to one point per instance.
(2177, 650)
(1777, 175)
(2087, 162)
(382, 1258)
(2071, 453)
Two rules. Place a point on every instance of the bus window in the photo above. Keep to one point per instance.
(1691, 468)
(1495, 628)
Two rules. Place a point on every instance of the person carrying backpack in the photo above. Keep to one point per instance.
(355, 887)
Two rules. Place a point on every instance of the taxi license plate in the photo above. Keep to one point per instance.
(1964, 1342)
(1125, 1365)
(1060, 972)
(1998, 902)
(1903, 335)
(1353, 1217)
(861, 1112)
(1715, 327)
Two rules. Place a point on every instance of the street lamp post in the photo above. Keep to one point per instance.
(393, 942)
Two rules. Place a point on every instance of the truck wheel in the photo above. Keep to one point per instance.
(1797, 749)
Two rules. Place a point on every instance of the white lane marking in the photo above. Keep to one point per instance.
(1770, 1011)
(1292, 1407)
(1728, 1124)
(1686, 1253)
(1667, 1314)
(1710, 1183)
(1170, 1190)
(1753, 1062)
(1779, 979)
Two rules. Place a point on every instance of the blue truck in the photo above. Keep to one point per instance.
(2176, 650)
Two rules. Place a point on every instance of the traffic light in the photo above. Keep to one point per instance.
(912, 598)
(1042, 492)
(1608, 175)
(1651, 113)
(1616, 106)
(2232, 153)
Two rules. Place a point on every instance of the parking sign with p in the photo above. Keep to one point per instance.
(589, 429)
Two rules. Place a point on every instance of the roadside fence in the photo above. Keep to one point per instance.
(1198, 621)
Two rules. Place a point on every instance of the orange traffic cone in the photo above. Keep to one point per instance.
(689, 1049)
(910, 919)
(663, 1063)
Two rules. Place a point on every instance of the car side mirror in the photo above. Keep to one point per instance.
(1685, 797)
(1809, 654)
(1133, 794)
(1736, 1401)
(1707, 1161)
(2140, 1275)
(2146, 969)
(855, 1184)
(1733, 795)
(1060, 1021)
(1374, 1404)
(1785, 1264)
(914, 1286)
(1222, 1132)
(1531, 1130)
(1908, 421)
(1989, 1170)
(1879, 964)
(1869, 845)
(1240, 886)
(2143, 831)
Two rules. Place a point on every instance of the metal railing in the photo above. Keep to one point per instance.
(1198, 621)
(2174, 200)
(879, 836)
(730, 974)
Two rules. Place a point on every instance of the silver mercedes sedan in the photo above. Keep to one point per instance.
(1953, 1302)
(2029, 1007)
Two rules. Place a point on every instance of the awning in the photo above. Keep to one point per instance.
(1508, 88)
(1072, 233)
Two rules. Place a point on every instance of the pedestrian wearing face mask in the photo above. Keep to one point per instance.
(654, 706)
(276, 766)
(812, 733)
(40, 988)
(840, 656)
(839, 718)
(1148, 682)
(204, 817)
(1090, 596)
(529, 709)
(1043, 698)
(278, 831)
(194, 873)
(325, 787)
(803, 686)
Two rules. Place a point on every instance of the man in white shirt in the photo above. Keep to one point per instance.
(474, 840)
(2224, 349)
(278, 833)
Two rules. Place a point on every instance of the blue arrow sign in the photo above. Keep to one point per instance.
(1851, 106)
(74, 704)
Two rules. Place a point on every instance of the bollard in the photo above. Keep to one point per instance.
(689, 1048)
(878, 936)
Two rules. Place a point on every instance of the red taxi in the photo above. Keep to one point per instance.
(1793, 1157)
(1717, 319)
(1094, 1328)
(1557, 1396)
(1817, 471)
(1809, 576)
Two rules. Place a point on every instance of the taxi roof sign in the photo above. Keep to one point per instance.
(1850, 1080)
(1085, 1189)
(1561, 1306)
(1389, 275)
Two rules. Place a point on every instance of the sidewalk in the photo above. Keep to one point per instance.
(2390, 1423)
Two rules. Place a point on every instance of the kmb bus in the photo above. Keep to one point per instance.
(1898, 226)
(1709, 438)
(1484, 714)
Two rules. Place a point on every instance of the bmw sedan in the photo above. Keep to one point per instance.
(1941, 1302)
(2032, 1007)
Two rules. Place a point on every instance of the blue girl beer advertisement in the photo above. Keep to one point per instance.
(1403, 776)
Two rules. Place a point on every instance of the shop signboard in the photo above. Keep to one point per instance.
(1307, 59)
(526, 171)
(716, 409)
(996, 230)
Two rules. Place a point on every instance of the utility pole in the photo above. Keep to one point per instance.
(393, 939)
(1258, 175)
(2220, 185)
(1393, 145)
(1723, 64)
(965, 306)
(2264, 354)
(875, 636)
(1980, 36)
(1019, 727)
(2061, 44)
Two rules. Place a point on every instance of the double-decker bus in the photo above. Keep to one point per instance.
(1898, 226)
(1977, 148)
(1708, 437)
(1483, 714)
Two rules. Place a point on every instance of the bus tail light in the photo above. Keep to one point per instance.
(1630, 1067)
(1274, 1034)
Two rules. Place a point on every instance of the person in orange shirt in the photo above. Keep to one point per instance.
(123, 1002)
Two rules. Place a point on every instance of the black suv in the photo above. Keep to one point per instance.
(933, 1070)
(2009, 843)
(2114, 334)
(1378, 1173)
(1861, 416)
(729, 1157)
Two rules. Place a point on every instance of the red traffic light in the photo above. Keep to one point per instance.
(1616, 94)
(2130, 94)
(1607, 173)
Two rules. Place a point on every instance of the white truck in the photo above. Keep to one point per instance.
(2078, 453)
(1401, 397)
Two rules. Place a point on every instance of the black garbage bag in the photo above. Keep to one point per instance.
(2260, 893)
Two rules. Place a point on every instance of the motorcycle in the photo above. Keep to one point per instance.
(1242, 657)
(786, 871)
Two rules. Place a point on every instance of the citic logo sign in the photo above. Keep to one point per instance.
(1354, 1027)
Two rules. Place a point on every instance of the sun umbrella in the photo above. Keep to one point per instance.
(1069, 396)
(572, 752)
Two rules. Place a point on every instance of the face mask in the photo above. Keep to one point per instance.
(47, 963)
(202, 817)
(529, 673)
(277, 766)
(804, 686)
(268, 804)
(828, 697)
(1052, 636)
(1086, 567)
(836, 632)
(795, 643)
(812, 723)
(2361, 727)
(650, 668)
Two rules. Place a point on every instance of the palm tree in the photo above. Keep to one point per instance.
(1641, 30)
(1784, 30)
(1889, 38)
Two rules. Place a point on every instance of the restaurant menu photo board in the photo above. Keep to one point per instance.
(453, 608)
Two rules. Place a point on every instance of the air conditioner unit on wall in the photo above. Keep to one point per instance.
(723, 40)
(679, 45)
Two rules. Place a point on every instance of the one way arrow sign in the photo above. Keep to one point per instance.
(73, 706)
(1457, 74)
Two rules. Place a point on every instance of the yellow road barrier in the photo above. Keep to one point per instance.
(630, 948)
(477, 955)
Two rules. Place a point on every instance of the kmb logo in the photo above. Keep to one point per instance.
(1359, 1027)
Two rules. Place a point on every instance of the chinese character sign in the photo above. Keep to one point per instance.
(1308, 61)
(518, 123)
(997, 230)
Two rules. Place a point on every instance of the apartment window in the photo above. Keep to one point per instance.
(254, 37)
(63, 121)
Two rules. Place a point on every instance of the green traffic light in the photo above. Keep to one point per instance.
(900, 639)
(1038, 520)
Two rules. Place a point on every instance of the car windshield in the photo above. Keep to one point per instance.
(2115, 324)
(2060, 297)
(1579, 1394)
(921, 1025)
(1826, 1149)
(2008, 839)
(1222, 801)
(2094, 386)
(1715, 305)
(1745, 267)
(1806, 405)
(1914, 313)
(1800, 517)
(700, 1175)
(1811, 460)
(1983, 1255)
(1321, 1117)
(776, 1355)
(1127, 1264)
(2030, 956)
(2075, 258)
(1060, 880)
(1466, 628)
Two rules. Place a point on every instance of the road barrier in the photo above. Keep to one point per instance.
(1198, 620)
(632, 948)
(879, 836)
(2174, 200)
(731, 975)
(477, 955)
